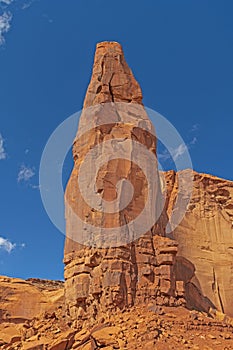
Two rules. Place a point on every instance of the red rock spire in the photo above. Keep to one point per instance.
(112, 79)
(110, 258)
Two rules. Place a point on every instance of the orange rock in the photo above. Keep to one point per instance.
(87, 346)
(33, 346)
(119, 272)
(205, 238)
(112, 79)
(65, 340)
(59, 345)
(112, 294)
(107, 336)
(9, 334)
(23, 300)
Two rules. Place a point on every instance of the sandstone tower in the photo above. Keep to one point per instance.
(116, 253)
(108, 263)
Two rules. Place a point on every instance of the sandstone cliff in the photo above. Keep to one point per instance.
(205, 241)
(127, 288)
(193, 268)
(110, 265)
(23, 300)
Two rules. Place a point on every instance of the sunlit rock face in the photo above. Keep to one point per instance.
(24, 300)
(114, 257)
(117, 251)
(205, 238)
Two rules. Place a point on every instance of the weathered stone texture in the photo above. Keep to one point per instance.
(205, 239)
(125, 272)
(194, 266)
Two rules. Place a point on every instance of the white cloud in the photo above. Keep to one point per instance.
(26, 5)
(7, 2)
(177, 152)
(25, 173)
(174, 153)
(165, 155)
(195, 127)
(35, 187)
(6, 245)
(194, 141)
(46, 16)
(6, 16)
(5, 20)
(2, 150)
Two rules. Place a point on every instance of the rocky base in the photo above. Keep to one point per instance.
(106, 280)
(149, 327)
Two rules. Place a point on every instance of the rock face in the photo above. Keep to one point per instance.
(205, 240)
(107, 264)
(112, 80)
(23, 300)
(111, 266)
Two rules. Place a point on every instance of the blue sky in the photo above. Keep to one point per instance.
(181, 53)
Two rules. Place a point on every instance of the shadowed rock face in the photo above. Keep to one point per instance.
(205, 238)
(115, 268)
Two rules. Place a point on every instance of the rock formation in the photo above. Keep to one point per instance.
(205, 241)
(128, 288)
(142, 327)
(114, 267)
(23, 300)
(118, 269)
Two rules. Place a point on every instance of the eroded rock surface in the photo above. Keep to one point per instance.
(108, 265)
(124, 291)
(205, 240)
(23, 300)
(106, 272)
(112, 79)
(143, 327)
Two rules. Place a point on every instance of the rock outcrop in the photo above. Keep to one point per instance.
(143, 327)
(205, 241)
(112, 79)
(126, 288)
(108, 264)
(23, 300)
